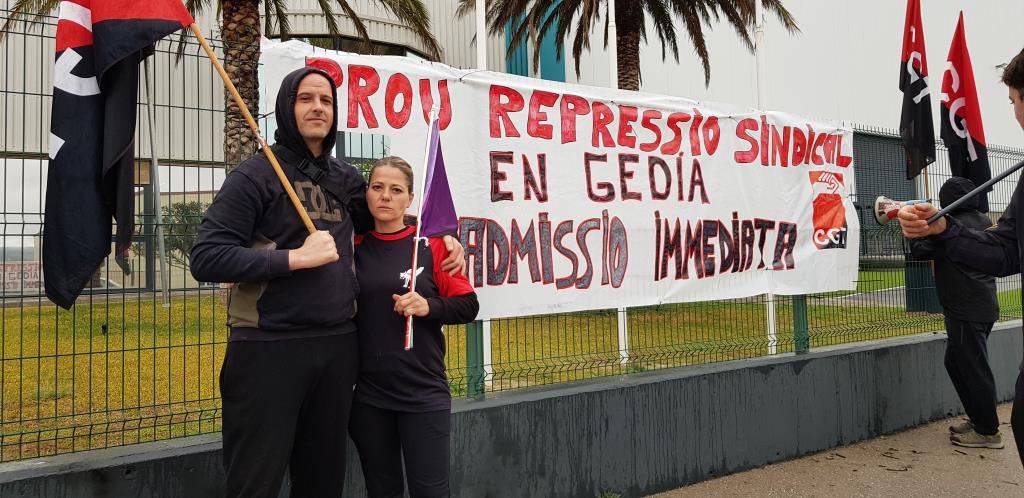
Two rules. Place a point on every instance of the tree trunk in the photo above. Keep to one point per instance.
(240, 30)
(628, 19)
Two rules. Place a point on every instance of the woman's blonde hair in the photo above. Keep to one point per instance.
(397, 163)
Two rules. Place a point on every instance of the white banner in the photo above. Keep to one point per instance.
(573, 198)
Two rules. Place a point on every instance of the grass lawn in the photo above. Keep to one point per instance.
(130, 370)
(117, 372)
(873, 280)
(1009, 303)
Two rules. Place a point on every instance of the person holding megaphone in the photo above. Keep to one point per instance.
(996, 251)
(970, 308)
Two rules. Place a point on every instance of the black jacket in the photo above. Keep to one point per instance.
(251, 224)
(965, 294)
(995, 251)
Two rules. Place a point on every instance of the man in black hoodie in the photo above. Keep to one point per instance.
(292, 357)
(970, 308)
(997, 251)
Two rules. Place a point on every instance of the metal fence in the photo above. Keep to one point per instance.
(126, 365)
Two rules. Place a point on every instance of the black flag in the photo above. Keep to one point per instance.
(92, 133)
(916, 126)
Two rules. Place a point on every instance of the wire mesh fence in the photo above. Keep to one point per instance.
(130, 364)
(126, 364)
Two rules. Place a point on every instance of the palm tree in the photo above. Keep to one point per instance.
(532, 19)
(240, 33)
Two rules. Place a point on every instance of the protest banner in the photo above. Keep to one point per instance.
(572, 197)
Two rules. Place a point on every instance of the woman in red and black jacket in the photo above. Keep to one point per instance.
(402, 406)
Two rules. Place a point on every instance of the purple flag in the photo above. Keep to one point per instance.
(437, 214)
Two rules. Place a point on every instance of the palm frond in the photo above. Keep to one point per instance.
(664, 27)
(415, 15)
(706, 9)
(281, 15)
(533, 19)
(332, 20)
(782, 14)
(541, 18)
(268, 20)
(589, 15)
(691, 16)
(562, 16)
(196, 8)
(357, 22)
(521, 31)
(27, 11)
(465, 7)
(741, 19)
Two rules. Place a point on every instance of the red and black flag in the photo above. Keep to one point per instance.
(92, 133)
(960, 116)
(916, 126)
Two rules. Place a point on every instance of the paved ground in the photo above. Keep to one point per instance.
(896, 296)
(917, 462)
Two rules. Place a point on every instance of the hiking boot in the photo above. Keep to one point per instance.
(961, 427)
(972, 439)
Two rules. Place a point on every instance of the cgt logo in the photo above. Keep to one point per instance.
(829, 213)
(830, 237)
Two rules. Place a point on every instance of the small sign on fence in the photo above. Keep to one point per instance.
(23, 277)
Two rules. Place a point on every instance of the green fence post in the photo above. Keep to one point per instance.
(475, 360)
(919, 287)
(801, 333)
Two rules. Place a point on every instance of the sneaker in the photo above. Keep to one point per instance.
(962, 427)
(972, 439)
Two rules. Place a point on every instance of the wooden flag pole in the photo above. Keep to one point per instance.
(255, 130)
(419, 224)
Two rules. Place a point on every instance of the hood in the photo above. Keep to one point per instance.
(955, 188)
(287, 133)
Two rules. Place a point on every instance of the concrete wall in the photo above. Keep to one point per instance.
(634, 435)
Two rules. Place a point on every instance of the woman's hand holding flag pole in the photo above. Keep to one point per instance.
(436, 211)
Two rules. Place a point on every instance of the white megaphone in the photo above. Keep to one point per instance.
(886, 209)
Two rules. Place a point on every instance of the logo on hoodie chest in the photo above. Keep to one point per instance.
(319, 205)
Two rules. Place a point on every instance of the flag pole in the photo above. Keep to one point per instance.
(419, 221)
(974, 193)
(621, 313)
(761, 61)
(255, 130)
(154, 180)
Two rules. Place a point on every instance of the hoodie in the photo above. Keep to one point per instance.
(251, 225)
(965, 294)
(955, 188)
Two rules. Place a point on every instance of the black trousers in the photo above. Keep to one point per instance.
(967, 364)
(385, 437)
(286, 405)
